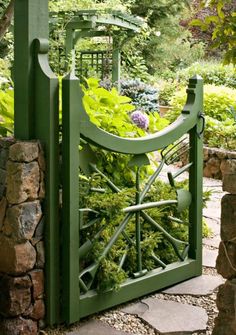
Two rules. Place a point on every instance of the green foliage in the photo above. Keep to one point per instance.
(220, 134)
(5, 74)
(217, 102)
(220, 123)
(110, 206)
(223, 21)
(133, 64)
(6, 112)
(110, 111)
(158, 10)
(174, 53)
(73, 5)
(212, 73)
(144, 97)
(167, 88)
(169, 46)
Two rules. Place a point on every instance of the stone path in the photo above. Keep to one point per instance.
(186, 308)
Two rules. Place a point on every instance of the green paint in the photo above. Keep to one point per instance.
(70, 200)
(31, 21)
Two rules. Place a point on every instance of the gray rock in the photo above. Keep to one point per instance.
(136, 309)
(3, 158)
(202, 285)
(170, 317)
(95, 327)
(24, 151)
(209, 257)
(21, 220)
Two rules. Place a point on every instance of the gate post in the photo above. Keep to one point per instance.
(36, 117)
(195, 180)
(30, 22)
(70, 198)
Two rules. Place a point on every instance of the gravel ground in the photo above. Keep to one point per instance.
(134, 325)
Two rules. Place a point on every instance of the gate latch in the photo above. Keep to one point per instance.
(202, 117)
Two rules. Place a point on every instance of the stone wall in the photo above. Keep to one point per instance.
(218, 162)
(22, 306)
(225, 322)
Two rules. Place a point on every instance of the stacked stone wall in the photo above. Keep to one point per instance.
(22, 260)
(216, 162)
(225, 323)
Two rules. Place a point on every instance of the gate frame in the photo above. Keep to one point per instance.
(189, 122)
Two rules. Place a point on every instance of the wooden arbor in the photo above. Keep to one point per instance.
(92, 23)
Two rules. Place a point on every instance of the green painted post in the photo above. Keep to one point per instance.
(70, 199)
(36, 117)
(47, 131)
(30, 22)
(195, 182)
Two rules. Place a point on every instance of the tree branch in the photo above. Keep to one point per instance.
(6, 18)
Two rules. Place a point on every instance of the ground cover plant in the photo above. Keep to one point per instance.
(154, 246)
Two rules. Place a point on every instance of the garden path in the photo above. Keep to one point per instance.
(186, 308)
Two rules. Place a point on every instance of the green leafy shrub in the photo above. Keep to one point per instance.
(220, 134)
(144, 97)
(110, 111)
(218, 103)
(6, 112)
(110, 206)
(168, 88)
(5, 74)
(211, 72)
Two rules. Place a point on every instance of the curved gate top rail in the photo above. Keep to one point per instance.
(186, 121)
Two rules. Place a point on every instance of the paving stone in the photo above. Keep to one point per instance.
(212, 242)
(95, 327)
(213, 224)
(202, 285)
(213, 210)
(138, 308)
(209, 257)
(170, 317)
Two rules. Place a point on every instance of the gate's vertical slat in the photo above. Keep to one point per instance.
(195, 183)
(46, 130)
(70, 198)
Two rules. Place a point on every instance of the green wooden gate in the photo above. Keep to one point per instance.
(80, 296)
(70, 291)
